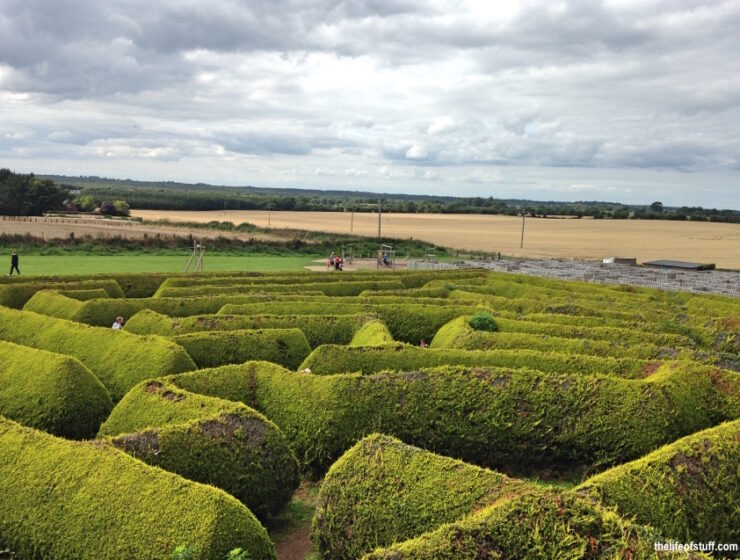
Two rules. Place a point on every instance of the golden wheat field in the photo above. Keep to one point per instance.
(543, 237)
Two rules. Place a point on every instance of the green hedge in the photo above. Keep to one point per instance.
(327, 288)
(62, 499)
(514, 420)
(319, 329)
(374, 333)
(382, 492)
(84, 295)
(207, 440)
(51, 392)
(617, 335)
(119, 359)
(688, 490)
(287, 347)
(330, 358)
(543, 524)
(459, 334)
(16, 295)
(102, 312)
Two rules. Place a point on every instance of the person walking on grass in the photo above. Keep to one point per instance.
(14, 264)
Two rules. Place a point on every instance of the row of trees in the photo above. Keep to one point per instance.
(28, 195)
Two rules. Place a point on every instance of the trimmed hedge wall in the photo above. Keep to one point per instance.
(329, 359)
(514, 420)
(51, 392)
(459, 334)
(327, 288)
(543, 524)
(84, 295)
(102, 312)
(374, 333)
(287, 347)
(118, 359)
(688, 490)
(16, 295)
(62, 499)
(383, 491)
(207, 440)
(319, 329)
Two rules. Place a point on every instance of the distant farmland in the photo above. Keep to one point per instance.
(567, 238)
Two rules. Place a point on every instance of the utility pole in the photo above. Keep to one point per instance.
(269, 209)
(521, 244)
(380, 215)
(352, 221)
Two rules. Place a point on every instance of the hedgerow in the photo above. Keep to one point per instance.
(51, 392)
(287, 347)
(514, 420)
(459, 334)
(330, 358)
(319, 329)
(118, 359)
(688, 490)
(327, 288)
(16, 295)
(208, 440)
(374, 333)
(84, 295)
(63, 499)
(383, 492)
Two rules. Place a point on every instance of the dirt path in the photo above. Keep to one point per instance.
(291, 531)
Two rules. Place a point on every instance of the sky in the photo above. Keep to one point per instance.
(629, 101)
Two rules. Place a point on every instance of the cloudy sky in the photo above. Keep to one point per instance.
(621, 100)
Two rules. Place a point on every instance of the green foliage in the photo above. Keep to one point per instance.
(482, 321)
(287, 347)
(517, 420)
(383, 492)
(347, 288)
(62, 499)
(51, 392)
(27, 195)
(688, 490)
(17, 294)
(330, 359)
(86, 203)
(208, 440)
(373, 333)
(118, 359)
(319, 329)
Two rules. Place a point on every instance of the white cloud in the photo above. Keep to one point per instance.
(633, 100)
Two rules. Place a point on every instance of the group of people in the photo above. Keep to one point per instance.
(335, 261)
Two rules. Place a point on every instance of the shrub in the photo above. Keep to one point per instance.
(374, 333)
(482, 321)
(119, 359)
(62, 499)
(17, 294)
(208, 440)
(319, 329)
(514, 420)
(459, 334)
(347, 288)
(51, 392)
(329, 359)
(383, 492)
(287, 347)
(688, 490)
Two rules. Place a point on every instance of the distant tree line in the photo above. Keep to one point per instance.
(29, 195)
(183, 196)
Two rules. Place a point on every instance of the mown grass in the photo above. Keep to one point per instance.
(74, 263)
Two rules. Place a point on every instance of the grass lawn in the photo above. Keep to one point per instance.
(80, 263)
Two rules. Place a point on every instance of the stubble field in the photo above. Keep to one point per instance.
(718, 243)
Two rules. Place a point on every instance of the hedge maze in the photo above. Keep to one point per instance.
(462, 414)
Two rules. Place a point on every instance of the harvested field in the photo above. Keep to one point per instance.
(717, 243)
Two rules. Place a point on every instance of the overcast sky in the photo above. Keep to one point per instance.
(620, 100)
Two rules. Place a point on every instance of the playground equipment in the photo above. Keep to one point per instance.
(386, 256)
(196, 258)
